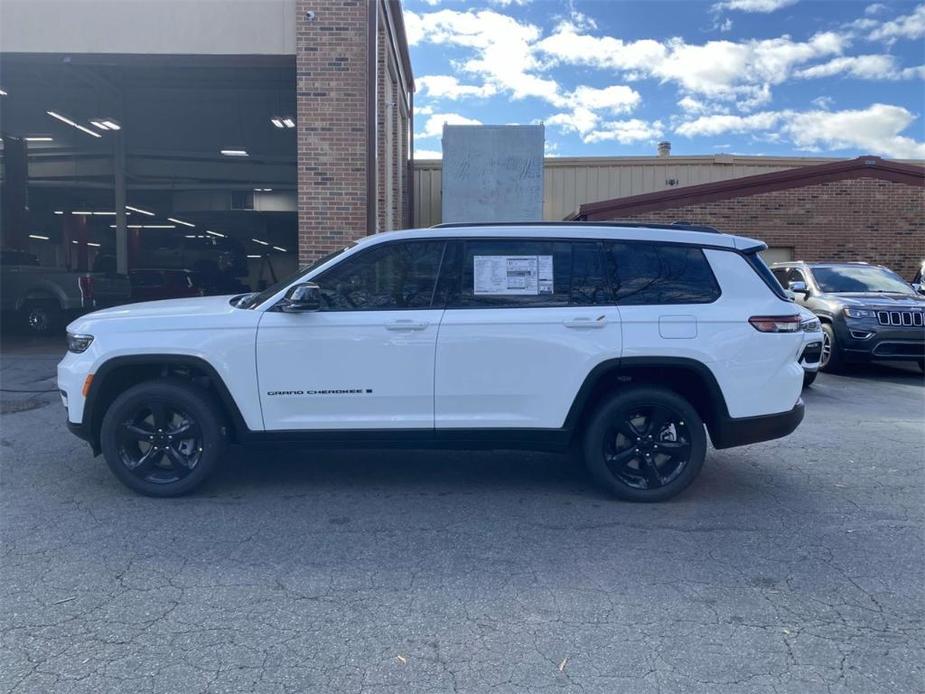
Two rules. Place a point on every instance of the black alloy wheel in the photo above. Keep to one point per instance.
(163, 437)
(645, 444)
(160, 443)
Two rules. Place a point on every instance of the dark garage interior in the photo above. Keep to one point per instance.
(117, 164)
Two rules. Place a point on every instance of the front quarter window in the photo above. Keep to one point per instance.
(250, 301)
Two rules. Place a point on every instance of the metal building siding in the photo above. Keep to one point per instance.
(573, 181)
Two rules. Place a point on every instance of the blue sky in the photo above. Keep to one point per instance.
(613, 77)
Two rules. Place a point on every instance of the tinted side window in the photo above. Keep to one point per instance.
(590, 285)
(653, 273)
(386, 277)
(500, 273)
(780, 274)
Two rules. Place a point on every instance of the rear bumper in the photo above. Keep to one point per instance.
(729, 432)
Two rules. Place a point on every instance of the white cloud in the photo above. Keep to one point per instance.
(724, 123)
(423, 110)
(448, 87)
(503, 55)
(763, 6)
(875, 8)
(587, 103)
(626, 131)
(823, 102)
(910, 26)
(876, 129)
(725, 25)
(433, 126)
(717, 69)
(428, 154)
(867, 67)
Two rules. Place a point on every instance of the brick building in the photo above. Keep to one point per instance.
(866, 209)
(354, 96)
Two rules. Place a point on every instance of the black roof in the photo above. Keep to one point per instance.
(674, 226)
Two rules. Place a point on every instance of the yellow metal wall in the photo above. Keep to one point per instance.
(573, 181)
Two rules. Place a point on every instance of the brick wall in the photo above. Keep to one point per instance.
(331, 104)
(857, 219)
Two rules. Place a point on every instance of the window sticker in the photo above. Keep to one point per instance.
(522, 275)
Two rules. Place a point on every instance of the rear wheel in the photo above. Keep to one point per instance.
(645, 444)
(832, 359)
(41, 316)
(163, 438)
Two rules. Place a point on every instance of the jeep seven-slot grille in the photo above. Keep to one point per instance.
(907, 318)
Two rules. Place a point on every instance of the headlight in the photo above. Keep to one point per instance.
(811, 325)
(78, 343)
(859, 313)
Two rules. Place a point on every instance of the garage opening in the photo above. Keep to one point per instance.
(177, 171)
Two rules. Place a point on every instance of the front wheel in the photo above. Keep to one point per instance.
(645, 444)
(808, 378)
(832, 359)
(163, 438)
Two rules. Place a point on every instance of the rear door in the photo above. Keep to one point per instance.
(525, 323)
(366, 359)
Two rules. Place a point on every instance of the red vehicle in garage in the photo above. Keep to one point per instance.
(151, 284)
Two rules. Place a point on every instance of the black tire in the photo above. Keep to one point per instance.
(808, 378)
(832, 360)
(41, 316)
(645, 473)
(922, 365)
(164, 409)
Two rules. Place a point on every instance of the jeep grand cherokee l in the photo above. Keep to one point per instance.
(868, 312)
(630, 343)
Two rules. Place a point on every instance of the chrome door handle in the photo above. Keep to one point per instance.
(586, 322)
(406, 325)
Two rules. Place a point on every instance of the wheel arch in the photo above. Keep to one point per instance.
(117, 374)
(689, 378)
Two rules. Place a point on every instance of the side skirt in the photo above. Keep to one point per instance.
(446, 439)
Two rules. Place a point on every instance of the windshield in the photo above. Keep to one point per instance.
(254, 300)
(859, 278)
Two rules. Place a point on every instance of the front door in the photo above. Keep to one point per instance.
(366, 359)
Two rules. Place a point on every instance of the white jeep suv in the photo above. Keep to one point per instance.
(627, 342)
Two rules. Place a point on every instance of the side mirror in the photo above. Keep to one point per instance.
(919, 287)
(302, 298)
(798, 288)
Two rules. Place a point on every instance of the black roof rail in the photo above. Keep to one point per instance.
(674, 226)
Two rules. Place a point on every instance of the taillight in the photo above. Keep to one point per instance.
(775, 324)
(85, 284)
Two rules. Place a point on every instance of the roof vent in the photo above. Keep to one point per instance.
(664, 148)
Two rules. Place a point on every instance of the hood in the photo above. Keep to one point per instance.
(886, 300)
(205, 312)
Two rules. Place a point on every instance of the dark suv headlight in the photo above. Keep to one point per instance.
(811, 325)
(860, 313)
(78, 343)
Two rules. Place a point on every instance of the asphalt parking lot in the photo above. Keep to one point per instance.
(792, 566)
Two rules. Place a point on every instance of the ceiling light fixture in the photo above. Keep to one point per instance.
(2, 93)
(235, 152)
(215, 233)
(180, 221)
(277, 122)
(106, 123)
(140, 211)
(95, 245)
(262, 243)
(289, 122)
(281, 250)
(38, 236)
(38, 138)
(255, 256)
(263, 190)
(59, 211)
(65, 119)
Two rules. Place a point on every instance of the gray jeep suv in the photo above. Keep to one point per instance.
(867, 311)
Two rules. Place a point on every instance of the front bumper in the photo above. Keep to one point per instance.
(868, 341)
(729, 432)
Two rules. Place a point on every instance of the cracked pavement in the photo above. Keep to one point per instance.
(791, 566)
